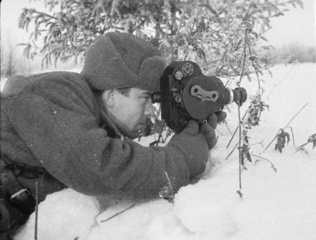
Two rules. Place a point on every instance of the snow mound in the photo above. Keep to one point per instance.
(278, 189)
(63, 215)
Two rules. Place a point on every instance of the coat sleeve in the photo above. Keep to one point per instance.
(62, 131)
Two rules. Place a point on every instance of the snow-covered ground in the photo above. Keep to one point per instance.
(278, 189)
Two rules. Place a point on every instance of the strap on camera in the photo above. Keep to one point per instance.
(18, 194)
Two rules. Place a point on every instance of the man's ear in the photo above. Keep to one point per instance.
(108, 98)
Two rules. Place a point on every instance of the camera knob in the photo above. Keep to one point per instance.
(240, 95)
(243, 95)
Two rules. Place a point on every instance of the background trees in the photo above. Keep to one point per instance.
(217, 34)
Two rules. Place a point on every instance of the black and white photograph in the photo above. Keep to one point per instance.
(158, 120)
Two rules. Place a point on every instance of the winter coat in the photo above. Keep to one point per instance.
(57, 123)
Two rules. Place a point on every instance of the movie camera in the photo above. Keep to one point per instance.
(185, 93)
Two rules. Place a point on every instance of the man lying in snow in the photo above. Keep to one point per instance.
(64, 129)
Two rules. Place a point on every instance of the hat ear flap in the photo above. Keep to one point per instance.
(104, 66)
(150, 70)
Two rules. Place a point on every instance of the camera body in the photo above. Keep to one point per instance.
(185, 93)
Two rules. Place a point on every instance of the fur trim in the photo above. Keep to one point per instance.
(122, 60)
(150, 72)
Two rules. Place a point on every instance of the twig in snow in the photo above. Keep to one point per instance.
(235, 131)
(219, 132)
(36, 210)
(228, 128)
(116, 214)
(287, 125)
(239, 118)
(275, 85)
(311, 139)
(292, 135)
(261, 143)
(272, 165)
(239, 193)
(232, 151)
(295, 115)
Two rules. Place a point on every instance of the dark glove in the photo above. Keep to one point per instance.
(192, 143)
(210, 135)
(209, 128)
(216, 118)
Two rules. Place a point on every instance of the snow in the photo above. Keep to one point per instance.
(278, 189)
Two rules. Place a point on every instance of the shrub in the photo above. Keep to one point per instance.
(293, 52)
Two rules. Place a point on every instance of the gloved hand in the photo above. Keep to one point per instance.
(209, 128)
(195, 141)
(192, 143)
(216, 118)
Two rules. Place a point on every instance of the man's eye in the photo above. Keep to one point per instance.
(147, 97)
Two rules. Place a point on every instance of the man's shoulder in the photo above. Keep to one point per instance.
(61, 79)
(50, 81)
(64, 89)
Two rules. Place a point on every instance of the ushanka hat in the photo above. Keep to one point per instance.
(122, 60)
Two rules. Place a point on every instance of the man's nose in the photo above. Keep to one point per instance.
(149, 109)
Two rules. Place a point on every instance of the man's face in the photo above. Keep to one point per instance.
(129, 110)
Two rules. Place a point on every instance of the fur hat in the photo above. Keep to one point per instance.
(122, 60)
